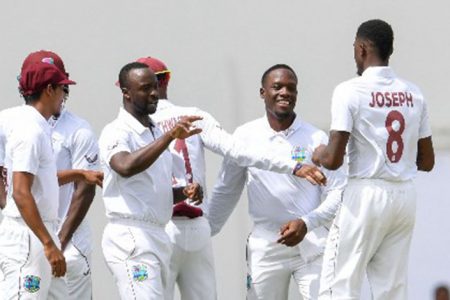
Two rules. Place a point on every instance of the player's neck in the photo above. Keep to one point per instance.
(278, 123)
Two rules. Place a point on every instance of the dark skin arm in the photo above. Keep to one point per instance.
(81, 201)
(425, 154)
(2, 189)
(312, 174)
(331, 156)
(292, 233)
(88, 176)
(28, 210)
(128, 164)
(192, 191)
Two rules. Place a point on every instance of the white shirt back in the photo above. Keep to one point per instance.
(146, 196)
(75, 147)
(386, 117)
(29, 149)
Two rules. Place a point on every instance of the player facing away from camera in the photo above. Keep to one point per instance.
(192, 264)
(288, 235)
(382, 123)
(30, 257)
(137, 190)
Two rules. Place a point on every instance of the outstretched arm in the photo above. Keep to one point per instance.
(331, 156)
(128, 164)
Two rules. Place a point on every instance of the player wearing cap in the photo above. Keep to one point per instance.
(75, 147)
(192, 265)
(382, 120)
(137, 190)
(29, 255)
(288, 235)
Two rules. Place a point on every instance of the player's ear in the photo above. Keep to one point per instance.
(125, 92)
(262, 92)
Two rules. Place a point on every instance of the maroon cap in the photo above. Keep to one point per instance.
(35, 77)
(156, 65)
(44, 56)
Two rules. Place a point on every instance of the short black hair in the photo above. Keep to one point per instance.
(275, 67)
(35, 96)
(380, 34)
(123, 74)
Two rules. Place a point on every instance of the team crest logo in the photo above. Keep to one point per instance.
(32, 283)
(112, 146)
(249, 281)
(298, 154)
(140, 273)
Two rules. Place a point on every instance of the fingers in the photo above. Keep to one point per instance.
(312, 174)
(191, 119)
(59, 267)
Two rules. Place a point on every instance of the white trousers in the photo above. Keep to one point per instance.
(192, 263)
(24, 265)
(78, 276)
(371, 233)
(138, 255)
(271, 266)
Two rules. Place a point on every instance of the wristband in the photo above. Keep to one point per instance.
(297, 167)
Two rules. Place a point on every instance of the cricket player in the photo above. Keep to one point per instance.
(137, 191)
(381, 121)
(288, 235)
(30, 258)
(192, 264)
(75, 147)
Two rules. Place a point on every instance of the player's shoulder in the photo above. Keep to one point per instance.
(72, 122)
(313, 131)
(251, 126)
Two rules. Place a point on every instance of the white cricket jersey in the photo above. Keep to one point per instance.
(188, 154)
(75, 147)
(386, 117)
(146, 196)
(275, 199)
(7, 117)
(29, 149)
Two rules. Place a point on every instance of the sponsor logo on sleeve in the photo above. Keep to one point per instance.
(91, 160)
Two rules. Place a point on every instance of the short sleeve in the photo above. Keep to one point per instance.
(424, 129)
(112, 141)
(342, 109)
(25, 148)
(84, 150)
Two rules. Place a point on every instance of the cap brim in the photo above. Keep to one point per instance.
(67, 81)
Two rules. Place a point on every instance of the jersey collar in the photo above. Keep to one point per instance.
(287, 132)
(385, 72)
(131, 121)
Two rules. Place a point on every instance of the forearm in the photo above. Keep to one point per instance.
(325, 212)
(82, 199)
(130, 164)
(30, 214)
(67, 176)
(2, 189)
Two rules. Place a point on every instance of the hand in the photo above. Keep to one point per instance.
(194, 192)
(317, 154)
(292, 233)
(184, 128)
(93, 177)
(312, 174)
(56, 260)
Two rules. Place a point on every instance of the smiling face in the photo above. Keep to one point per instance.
(279, 91)
(142, 91)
